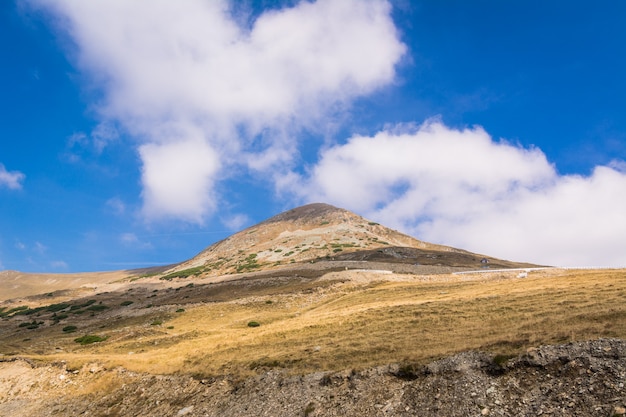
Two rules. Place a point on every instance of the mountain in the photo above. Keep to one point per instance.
(316, 237)
(357, 320)
(320, 233)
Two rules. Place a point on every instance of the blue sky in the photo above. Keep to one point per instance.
(138, 133)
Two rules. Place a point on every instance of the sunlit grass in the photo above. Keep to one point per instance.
(349, 326)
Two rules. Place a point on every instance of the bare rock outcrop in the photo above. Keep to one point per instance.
(575, 379)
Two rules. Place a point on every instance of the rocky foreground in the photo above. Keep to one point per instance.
(575, 379)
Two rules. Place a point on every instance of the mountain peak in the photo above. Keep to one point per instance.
(306, 214)
(303, 234)
(315, 232)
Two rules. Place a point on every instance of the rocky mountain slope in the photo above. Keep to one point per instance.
(315, 237)
(320, 232)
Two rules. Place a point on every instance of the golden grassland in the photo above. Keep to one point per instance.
(354, 324)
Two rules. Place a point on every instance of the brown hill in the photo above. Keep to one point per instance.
(320, 233)
(310, 240)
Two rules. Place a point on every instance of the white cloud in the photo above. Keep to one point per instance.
(236, 221)
(59, 265)
(40, 248)
(178, 179)
(462, 188)
(11, 179)
(103, 135)
(116, 205)
(80, 145)
(168, 70)
(131, 240)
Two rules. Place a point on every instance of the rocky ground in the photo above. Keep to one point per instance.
(576, 379)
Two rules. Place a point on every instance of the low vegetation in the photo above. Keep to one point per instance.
(97, 307)
(185, 273)
(250, 263)
(90, 338)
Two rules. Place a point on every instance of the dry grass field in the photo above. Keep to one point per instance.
(343, 320)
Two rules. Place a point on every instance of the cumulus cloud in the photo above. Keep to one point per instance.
(11, 179)
(187, 79)
(178, 178)
(462, 188)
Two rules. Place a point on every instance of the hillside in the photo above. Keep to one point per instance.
(381, 327)
(321, 233)
(315, 238)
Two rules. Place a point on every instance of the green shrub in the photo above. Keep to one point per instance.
(98, 307)
(12, 311)
(31, 325)
(70, 329)
(90, 338)
(248, 264)
(184, 273)
(254, 324)
(180, 310)
(57, 307)
(85, 304)
(156, 323)
(29, 311)
(60, 317)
